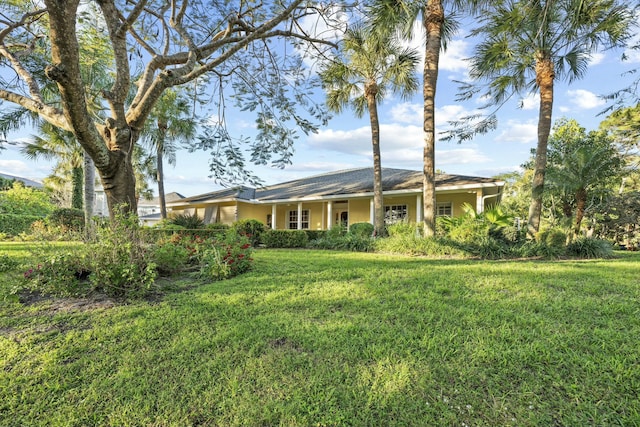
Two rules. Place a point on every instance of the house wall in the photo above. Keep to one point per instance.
(359, 210)
(457, 200)
(251, 211)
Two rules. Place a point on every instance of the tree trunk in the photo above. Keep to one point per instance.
(76, 187)
(379, 230)
(160, 178)
(89, 194)
(432, 20)
(545, 75)
(110, 147)
(581, 203)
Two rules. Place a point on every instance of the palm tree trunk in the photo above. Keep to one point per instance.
(160, 179)
(432, 20)
(581, 203)
(378, 199)
(545, 75)
(76, 187)
(89, 194)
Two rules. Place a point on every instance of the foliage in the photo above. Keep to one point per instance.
(227, 258)
(170, 258)
(60, 272)
(121, 264)
(590, 248)
(21, 200)
(71, 218)
(250, 228)
(347, 242)
(186, 220)
(361, 229)
(227, 50)
(620, 220)
(7, 263)
(14, 225)
(285, 239)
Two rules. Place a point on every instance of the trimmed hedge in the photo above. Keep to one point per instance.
(285, 239)
(153, 235)
(12, 224)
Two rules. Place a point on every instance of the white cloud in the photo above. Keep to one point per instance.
(585, 99)
(450, 60)
(15, 167)
(596, 58)
(407, 112)
(519, 132)
(460, 156)
(531, 102)
(453, 59)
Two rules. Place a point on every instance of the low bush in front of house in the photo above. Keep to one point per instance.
(285, 239)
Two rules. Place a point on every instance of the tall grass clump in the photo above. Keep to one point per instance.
(405, 238)
(590, 248)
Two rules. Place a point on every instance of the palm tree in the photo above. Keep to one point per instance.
(526, 45)
(169, 123)
(61, 145)
(439, 25)
(372, 64)
(579, 164)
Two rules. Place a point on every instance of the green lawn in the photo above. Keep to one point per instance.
(332, 338)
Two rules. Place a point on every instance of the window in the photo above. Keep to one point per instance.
(269, 221)
(395, 213)
(293, 220)
(444, 209)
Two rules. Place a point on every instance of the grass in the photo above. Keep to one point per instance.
(329, 338)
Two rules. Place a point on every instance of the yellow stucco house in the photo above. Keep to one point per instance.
(342, 197)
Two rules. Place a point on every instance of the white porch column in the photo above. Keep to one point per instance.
(419, 210)
(372, 212)
(479, 202)
(273, 216)
(299, 225)
(329, 215)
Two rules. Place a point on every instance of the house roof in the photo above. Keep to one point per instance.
(343, 183)
(169, 197)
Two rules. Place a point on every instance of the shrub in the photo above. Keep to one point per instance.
(187, 221)
(7, 263)
(121, 265)
(217, 226)
(315, 234)
(412, 244)
(361, 229)
(227, 258)
(170, 258)
(588, 247)
(552, 237)
(348, 242)
(72, 219)
(403, 228)
(14, 225)
(251, 228)
(487, 247)
(61, 273)
(285, 239)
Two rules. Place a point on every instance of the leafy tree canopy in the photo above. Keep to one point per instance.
(21, 200)
(231, 51)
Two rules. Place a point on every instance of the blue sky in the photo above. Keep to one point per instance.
(346, 142)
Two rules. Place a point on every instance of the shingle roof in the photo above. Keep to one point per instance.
(343, 182)
(358, 181)
(240, 192)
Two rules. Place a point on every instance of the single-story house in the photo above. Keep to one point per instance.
(342, 197)
(149, 210)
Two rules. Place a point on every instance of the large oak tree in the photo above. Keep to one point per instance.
(155, 45)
